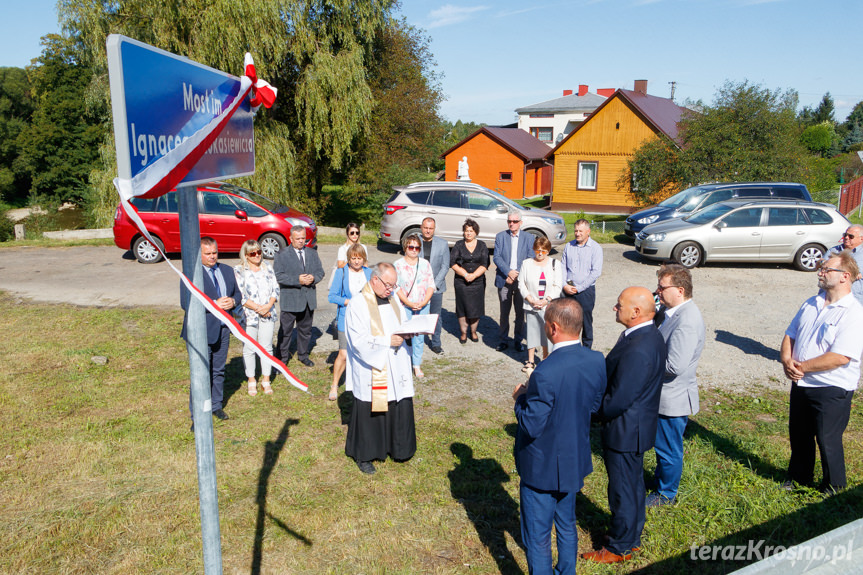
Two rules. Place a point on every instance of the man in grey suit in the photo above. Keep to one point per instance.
(682, 328)
(511, 248)
(436, 251)
(298, 270)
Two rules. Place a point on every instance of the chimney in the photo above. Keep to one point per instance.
(567, 92)
(582, 89)
(606, 92)
(641, 86)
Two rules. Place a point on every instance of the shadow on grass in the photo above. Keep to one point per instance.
(785, 531)
(272, 449)
(747, 345)
(728, 447)
(478, 485)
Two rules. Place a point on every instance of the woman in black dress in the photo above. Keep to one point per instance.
(469, 261)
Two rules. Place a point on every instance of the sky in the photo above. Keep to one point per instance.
(497, 55)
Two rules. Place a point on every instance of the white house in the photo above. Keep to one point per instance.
(551, 121)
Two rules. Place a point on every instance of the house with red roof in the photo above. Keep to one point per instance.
(590, 160)
(507, 160)
(552, 120)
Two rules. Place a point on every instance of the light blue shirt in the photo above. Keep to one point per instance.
(582, 264)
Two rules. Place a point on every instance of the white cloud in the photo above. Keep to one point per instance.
(449, 14)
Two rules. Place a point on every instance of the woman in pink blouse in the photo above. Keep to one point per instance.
(416, 287)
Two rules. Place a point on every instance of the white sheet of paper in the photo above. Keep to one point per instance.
(418, 324)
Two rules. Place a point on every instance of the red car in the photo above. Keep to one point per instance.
(228, 213)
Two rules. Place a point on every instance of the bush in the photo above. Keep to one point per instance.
(7, 227)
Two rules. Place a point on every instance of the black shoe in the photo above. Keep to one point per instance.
(366, 467)
(220, 414)
(307, 362)
(192, 429)
(436, 349)
(502, 346)
(787, 485)
(520, 347)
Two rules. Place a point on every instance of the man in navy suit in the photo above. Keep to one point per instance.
(436, 251)
(221, 286)
(552, 445)
(629, 411)
(511, 248)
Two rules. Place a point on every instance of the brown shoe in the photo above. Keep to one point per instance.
(605, 556)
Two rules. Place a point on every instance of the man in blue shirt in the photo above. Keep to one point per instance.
(851, 240)
(582, 266)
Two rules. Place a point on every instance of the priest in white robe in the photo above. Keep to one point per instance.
(379, 375)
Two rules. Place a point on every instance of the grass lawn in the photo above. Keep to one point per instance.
(97, 468)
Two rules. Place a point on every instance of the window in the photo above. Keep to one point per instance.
(218, 204)
(420, 198)
(587, 175)
(753, 192)
(818, 217)
(477, 201)
(785, 217)
(251, 209)
(144, 204)
(744, 218)
(447, 198)
(505, 177)
(543, 134)
(168, 203)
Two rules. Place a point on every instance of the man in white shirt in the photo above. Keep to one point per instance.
(821, 356)
(852, 240)
(379, 375)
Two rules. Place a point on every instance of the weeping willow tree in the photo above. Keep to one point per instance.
(316, 52)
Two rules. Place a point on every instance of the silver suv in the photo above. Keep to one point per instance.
(450, 203)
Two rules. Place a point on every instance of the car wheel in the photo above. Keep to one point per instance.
(409, 231)
(537, 233)
(145, 252)
(271, 244)
(808, 257)
(687, 254)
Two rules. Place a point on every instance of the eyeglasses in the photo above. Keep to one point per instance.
(254, 253)
(513, 221)
(660, 289)
(390, 287)
(849, 236)
(354, 233)
(825, 269)
(537, 252)
(413, 248)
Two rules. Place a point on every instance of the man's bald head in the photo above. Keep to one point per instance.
(635, 305)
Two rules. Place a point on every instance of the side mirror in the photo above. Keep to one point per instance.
(241, 215)
(501, 209)
(720, 225)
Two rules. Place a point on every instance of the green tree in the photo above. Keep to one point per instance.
(315, 51)
(61, 144)
(16, 107)
(819, 139)
(749, 133)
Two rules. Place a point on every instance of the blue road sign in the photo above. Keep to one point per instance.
(159, 99)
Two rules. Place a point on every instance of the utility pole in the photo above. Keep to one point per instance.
(673, 86)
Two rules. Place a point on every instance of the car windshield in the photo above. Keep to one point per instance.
(709, 214)
(509, 203)
(682, 198)
(262, 201)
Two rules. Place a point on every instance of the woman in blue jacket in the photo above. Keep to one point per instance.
(347, 283)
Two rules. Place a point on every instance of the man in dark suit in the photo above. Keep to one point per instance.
(221, 286)
(436, 251)
(552, 445)
(511, 248)
(298, 270)
(635, 366)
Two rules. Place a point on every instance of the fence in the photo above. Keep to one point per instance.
(850, 196)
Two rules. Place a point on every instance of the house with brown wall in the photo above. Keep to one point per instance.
(590, 160)
(507, 160)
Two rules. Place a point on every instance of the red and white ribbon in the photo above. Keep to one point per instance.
(165, 173)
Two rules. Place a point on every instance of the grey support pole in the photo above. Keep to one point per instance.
(199, 371)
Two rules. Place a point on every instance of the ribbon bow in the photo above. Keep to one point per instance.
(262, 91)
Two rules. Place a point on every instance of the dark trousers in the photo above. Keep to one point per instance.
(303, 319)
(539, 511)
(509, 297)
(218, 354)
(625, 499)
(587, 299)
(818, 414)
(435, 305)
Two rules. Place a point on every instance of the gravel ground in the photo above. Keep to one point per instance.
(746, 310)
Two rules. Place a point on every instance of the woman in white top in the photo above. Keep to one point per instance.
(540, 280)
(260, 290)
(415, 289)
(352, 233)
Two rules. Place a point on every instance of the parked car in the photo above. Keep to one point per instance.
(228, 213)
(742, 231)
(450, 203)
(697, 198)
